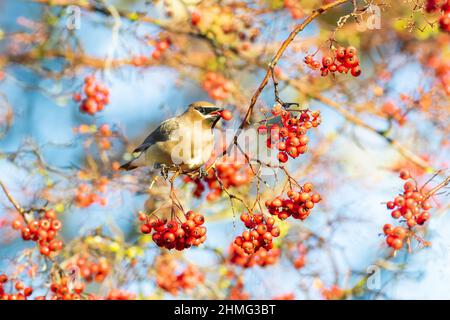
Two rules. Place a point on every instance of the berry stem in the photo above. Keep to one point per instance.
(441, 185)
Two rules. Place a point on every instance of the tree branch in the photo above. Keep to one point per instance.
(281, 50)
(11, 199)
(438, 187)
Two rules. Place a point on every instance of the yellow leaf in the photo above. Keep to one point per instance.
(59, 207)
(114, 247)
(133, 16)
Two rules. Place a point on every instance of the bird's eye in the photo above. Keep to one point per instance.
(201, 110)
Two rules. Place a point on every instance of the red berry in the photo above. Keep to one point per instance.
(172, 226)
(146, 229)
(315, 198)
(56, 225)
(399, 232)
(282, 157)
(50, 214)
(405, 175)
(399, 201)
(195, 18)
(226, 115)
(426, 205)
(169, 237)
(142, 216)
(396, 214)
(199, 219)
(340, 52)
(351, 51)
(17, 224)
(397, 244)
(44, 250)
(352, 61)
(45, 224)
(28, 291)
(327, 61)
(19, 286)
(356, 71)
(390, 205)
(3, 278)
(388, 229)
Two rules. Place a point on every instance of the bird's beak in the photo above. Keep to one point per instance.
(215, 113)
(215, 116)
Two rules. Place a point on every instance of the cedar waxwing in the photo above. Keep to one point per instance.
(184, 142)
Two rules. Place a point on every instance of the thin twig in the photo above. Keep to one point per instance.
(274, 61)
(11, 199)
(438, 187)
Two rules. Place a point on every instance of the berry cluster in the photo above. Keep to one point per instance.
(189, 278)
(342, 61)
(101, 134)
(43, 231)
(140, 61)
(65, 290)
(171, 282)
(260, 233)
(412, 205)
(333, 293)
(116, 294)
(85, 194)
(286, 296)
(394, 236)
(444, 7)
(237, 291)
(300, 259)
(230, 173)
(394, 112)
(160, 47)
(442, 71)
(294, 8)
(298, 204)
(262, 257)
(290, 138)
(217, 86)
(21, 292)
(91, 270)
(97, 96)
(173, 234)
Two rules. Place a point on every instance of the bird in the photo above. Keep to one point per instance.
(183, 143)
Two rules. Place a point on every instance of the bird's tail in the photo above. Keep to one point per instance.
(128, 165)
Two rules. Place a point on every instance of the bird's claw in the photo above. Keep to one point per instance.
(201, 173)
(164, 171)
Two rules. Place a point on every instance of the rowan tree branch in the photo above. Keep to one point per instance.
(441, 185)
(352, 118)
(317, 12)
(405, 152)
(11, 199)
(269, 71)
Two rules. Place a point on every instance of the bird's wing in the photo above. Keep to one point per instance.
(162, 133)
